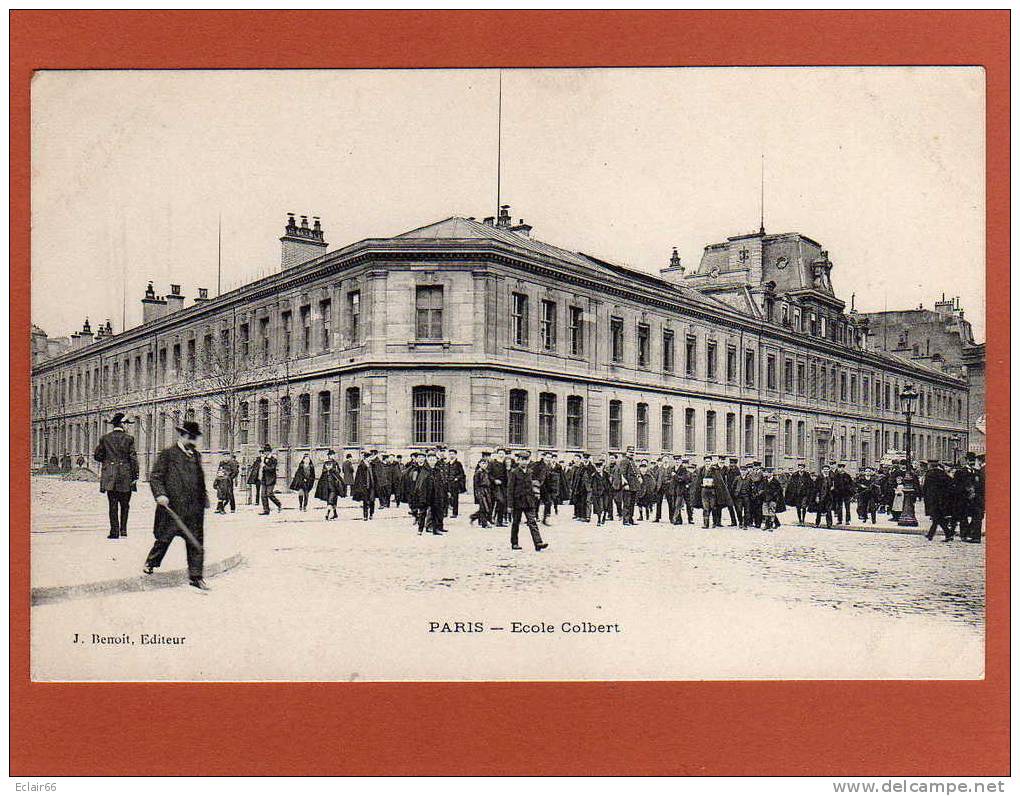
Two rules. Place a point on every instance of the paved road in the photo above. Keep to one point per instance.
(760, 597)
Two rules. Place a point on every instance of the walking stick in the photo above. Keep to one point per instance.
(188, 535)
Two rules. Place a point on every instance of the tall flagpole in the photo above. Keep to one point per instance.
(499, 142)
(219, 252)
(761, 230)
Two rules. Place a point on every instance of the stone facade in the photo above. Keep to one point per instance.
(940, 338)
(477, 335)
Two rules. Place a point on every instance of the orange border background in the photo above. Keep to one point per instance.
(834, 728)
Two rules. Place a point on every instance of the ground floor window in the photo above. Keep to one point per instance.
(518, 425)
(429, 408)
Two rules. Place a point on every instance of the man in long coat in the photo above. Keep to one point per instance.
(712, 493)
(381, 474)
(824, 497)
(938, 500)
(178, 484)
(965, 482)
(456, 480)
(498, 471)
(842, 492)
(267, 475)
(119, 475)
(629, 485)
(363, 489)
(798, 492)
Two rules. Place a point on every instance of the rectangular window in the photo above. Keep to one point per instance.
(788, 438)
(866, 391)
(731, 364)
(731, 432)
(304, 419)
(853, 389)
(823, 380)
(225, 344)
(428, 312)
(576, 332)
(642, 345)
(177, 361)
(116, 382)
(547, 420)
(788, 376)
(691, 356)
(800, 437)
(748, 435)
(518, 418)
(689, 430)
(207, 354)
(842, 387)
(519, 319)
(710, 432)
(575, 421)
(285, 410)
(287, 322)
(749, 368)
(263, 422)
(353, 413)
(326, 321)
(548, 330)
(832, 384)
(668, 352)
(245, 336)
(712, 356)
(264, 339)
(616, 333)
(667, 428)
(801, 386)
(429, 408)
(306, 329)
(325, 406)
(162, 365)
(354, 317)
(641, 418)
(770, 372)
(615, 425)
(242, 422)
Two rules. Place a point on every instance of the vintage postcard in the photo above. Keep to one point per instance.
(497, 375)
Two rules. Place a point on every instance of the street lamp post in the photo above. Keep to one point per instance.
(907, 518)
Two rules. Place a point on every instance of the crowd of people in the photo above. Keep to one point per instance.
(508, 488)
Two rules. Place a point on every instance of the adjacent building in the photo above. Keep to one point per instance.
(941, 338)
(475, 334)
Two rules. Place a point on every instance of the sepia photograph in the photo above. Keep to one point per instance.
(519, 374)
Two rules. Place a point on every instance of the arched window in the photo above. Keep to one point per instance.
(518, 418)
(429, 410)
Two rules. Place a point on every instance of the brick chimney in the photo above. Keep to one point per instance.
(521, 228)
(174, 299)
(504, 217)
(203, 295)
(300, 244)
(85, 335)
(152, 306)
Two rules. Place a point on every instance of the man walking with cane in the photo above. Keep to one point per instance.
(178, 485)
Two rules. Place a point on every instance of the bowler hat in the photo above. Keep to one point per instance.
(119, 419)
(189, 427)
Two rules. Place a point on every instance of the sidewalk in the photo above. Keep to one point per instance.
(71, 556)
(885, 523)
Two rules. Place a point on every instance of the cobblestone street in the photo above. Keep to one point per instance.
(352, 599)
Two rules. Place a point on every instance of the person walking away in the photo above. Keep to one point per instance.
(303, 481)
(118, 476)
(223, 488)
(381, 478)
(824, 497)
(178, 485)
(396, 474)
(938, 501)
(456, 481)
(522, 499)
(363, 489)
(233, 471)
(481, 489)
(331, 484)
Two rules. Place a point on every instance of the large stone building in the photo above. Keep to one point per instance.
(941, 338)
(475, 334)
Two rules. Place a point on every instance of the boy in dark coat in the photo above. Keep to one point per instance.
(456, 481)
(481, 488)
(363, 489)
(824, 497)
(331, 484)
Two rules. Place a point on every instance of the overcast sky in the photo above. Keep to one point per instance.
(883, 167)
